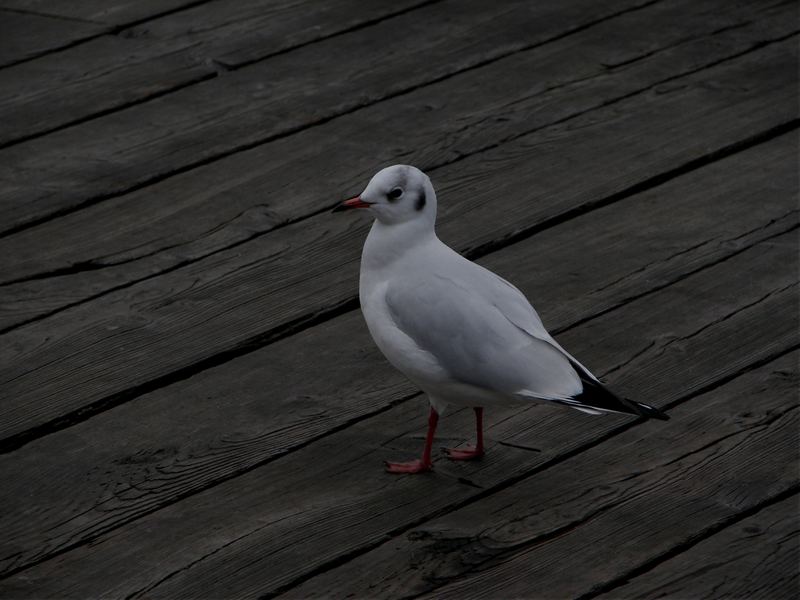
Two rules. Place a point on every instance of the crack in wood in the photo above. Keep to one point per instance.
(342, 559)
(144, 591)
(519, 446)
(481, 556)
(689, 273)
(277, 456)
(105, 262)
(725, 317)
(664, 260)
(753, 426)
(693, 247)
(37, 13)
(313, 123)
(317, 317)
(90, 265)
(693, 540)
(218, 67)
(289, 450)
(111, 30)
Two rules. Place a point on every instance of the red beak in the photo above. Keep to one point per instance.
(352, 203)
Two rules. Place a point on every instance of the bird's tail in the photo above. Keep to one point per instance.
(596, 397)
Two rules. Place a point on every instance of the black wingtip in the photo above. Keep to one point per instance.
(651, 412)
(596, 395)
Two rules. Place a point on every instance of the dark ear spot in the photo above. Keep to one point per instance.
(421, 200)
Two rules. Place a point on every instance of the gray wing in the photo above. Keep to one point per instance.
(515, 306)
(478, 331)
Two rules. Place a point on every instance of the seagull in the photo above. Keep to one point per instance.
(462, 334)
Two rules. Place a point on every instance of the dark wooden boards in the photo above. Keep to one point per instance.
(165, 54)
(225, 304)
(32, 28)
(124, 239)
(201, 411)
(755, 558)
(110, 12)
(565, 531)
(24, 35)
(279, 522)
(272, 406)
(271, 99)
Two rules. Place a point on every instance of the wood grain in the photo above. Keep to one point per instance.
(201, 410)
(103, 352)
(754, 558)
(566, 530)
(24, 36)
(165, 54)
(273, 98)
(276, 523)
(112, 12)
(258, 426)
(131, 237)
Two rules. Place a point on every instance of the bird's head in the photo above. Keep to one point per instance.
(397, 194)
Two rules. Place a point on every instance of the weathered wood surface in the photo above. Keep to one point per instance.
(275, 98)
(110, 12)
(310, 523)
(191, 405)
(33, 28)
(262, 101)
(163, 55)
(564, 531)
(755, 558)
(24, 36)
(689, 224)
(132, 237)
(304, 272)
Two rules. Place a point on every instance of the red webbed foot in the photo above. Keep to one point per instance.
(412, 466)
(467, 453)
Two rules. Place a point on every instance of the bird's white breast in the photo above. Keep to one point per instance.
(378, 271)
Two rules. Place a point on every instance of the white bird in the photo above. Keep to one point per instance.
(464, 335)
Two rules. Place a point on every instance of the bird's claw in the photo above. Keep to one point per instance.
(412, 466)
(468, 453)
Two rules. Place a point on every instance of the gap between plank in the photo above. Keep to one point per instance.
(321, 315)
(200, 79)
(689, 543)
(399, 531)
(112, 30)
(341, 560)
(317, 122)
(90, 265)
(36, 13)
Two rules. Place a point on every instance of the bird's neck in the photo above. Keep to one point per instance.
(388, 243)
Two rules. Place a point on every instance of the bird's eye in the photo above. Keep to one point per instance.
(395, 193)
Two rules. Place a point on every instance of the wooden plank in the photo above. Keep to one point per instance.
(563, 532)
(165, 54)
(114, 243)
(157, 139)
(679, 227)
(224, 305)
(24, 36)
(282, 520)
(235, 299)
(112, 12)
(755, 558)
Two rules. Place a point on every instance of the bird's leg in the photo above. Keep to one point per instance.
(470, 452)
(419, 465)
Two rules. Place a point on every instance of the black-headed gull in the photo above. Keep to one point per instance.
(461, 333)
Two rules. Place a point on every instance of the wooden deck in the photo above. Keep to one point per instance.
(191, 404)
